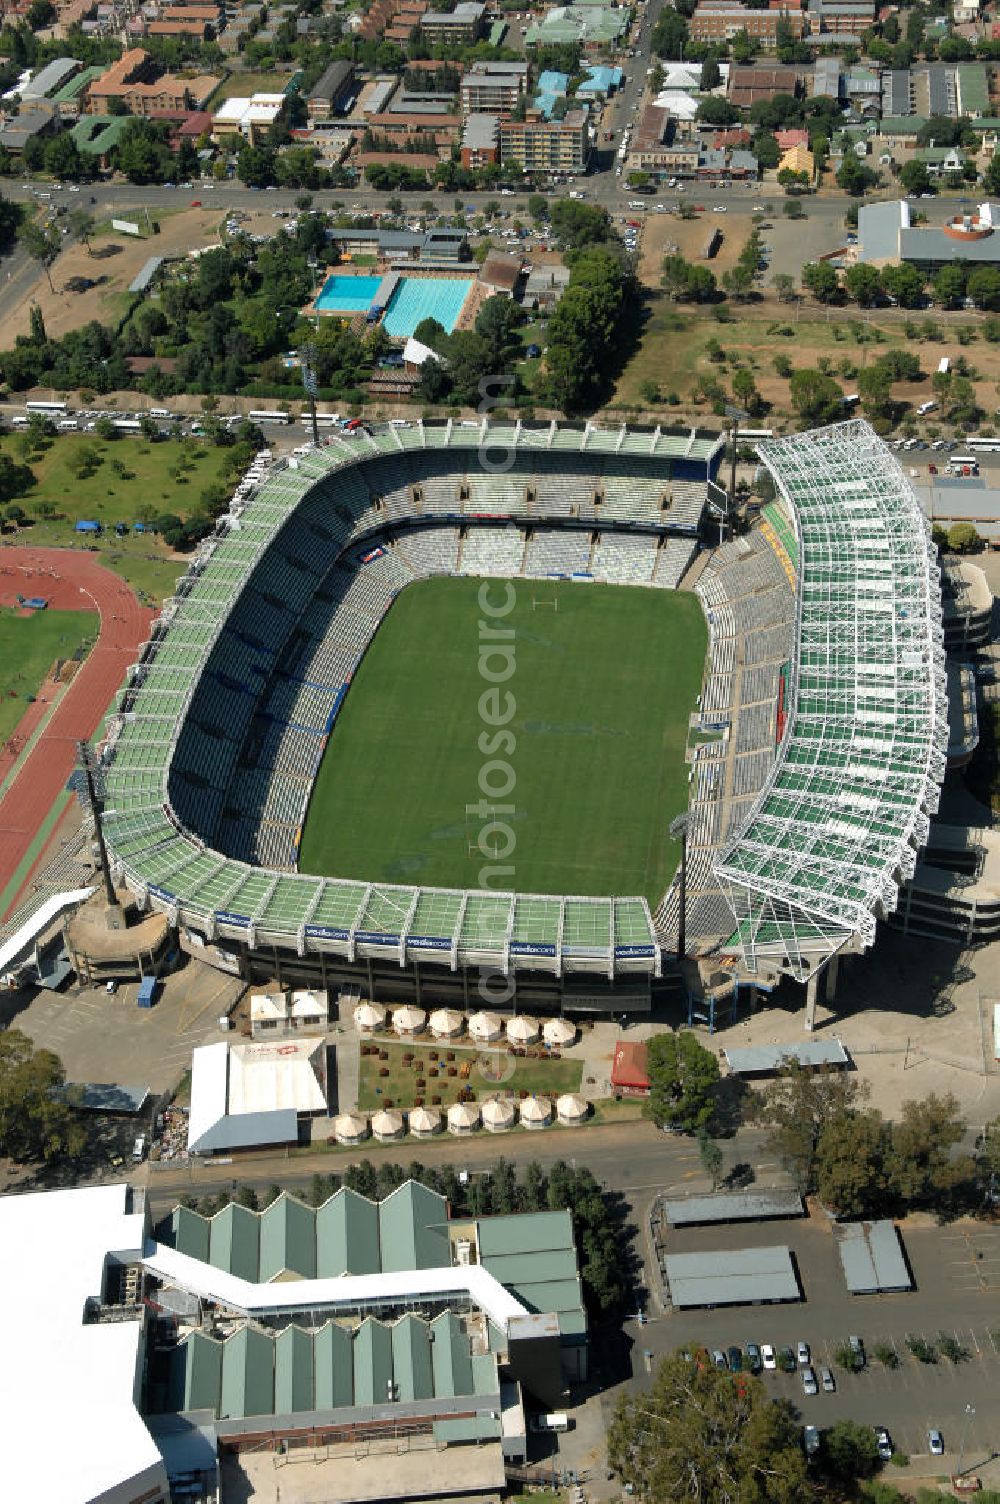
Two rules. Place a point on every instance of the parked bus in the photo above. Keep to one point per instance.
(327, 420)
(268, 415)
(52, 408)
(984, 446)
(126, 425)
(754, 433)
(962, 464)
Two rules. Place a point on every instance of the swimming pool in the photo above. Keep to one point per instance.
(416, 298)
(347, 294)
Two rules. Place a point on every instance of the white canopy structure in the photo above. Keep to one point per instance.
(498, 1114)
(571, 1109)
(445, 1023)
(408, 1020)
(463, 1117)
(558, 1032)
(350, 1128)
(387, 1124)
(521, 1030)
(485, 1026)
(368, 1017)
(425, 1121)
(536, 1112)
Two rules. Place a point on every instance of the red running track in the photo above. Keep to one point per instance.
(69, 581)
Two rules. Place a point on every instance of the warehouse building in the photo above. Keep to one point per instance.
(248, 1335)
(731, 1206)
(248, 1095)
(743, 1276)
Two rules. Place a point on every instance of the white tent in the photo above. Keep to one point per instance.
(350, 1128)
(463, 1117)
(498, 1114)
(485, 1026)
(445, 1023)
(387, 1125)
(424, 1121)
(558, 1032)
(536, 1112)
(368, 1017)
(408, 1020)
(571, 1108)
(521, 1030)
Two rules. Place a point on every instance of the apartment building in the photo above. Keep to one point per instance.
(542, 145)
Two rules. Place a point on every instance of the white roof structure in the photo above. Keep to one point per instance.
(68, 1388)
(305, 1006)
(485, 1026)
(522, 1030)
(498, 1113)
(558, 1031)
(246, 1094)
(415, 353)
(243, 112)
(682, 105)
(837, 826)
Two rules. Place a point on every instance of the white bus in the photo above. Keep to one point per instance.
(126, 425)
(327, 420)
(754, 433)
(984, 446)
(957, 463)
(268, 415)
(52, 408)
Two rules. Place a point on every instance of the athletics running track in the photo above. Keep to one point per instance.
(69, 581)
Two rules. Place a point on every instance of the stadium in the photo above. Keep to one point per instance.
(287, 775)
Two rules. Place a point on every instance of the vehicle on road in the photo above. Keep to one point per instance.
(809, 1384)
(767, 1357)
(884, 1443)
(935, 1443)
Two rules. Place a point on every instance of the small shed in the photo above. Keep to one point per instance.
(628, 1069)
(85, 526)
(768, 1059)
(871, 1256)
(731, 1277)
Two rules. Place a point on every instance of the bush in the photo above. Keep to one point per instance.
(886, 1355)
(952, 1349)
(845, 1357)
(922, 1350)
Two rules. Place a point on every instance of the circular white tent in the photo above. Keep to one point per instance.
(498, 1114)
(558, 1032)
(521, 1030)
(425, 1121)
(536, 1112)
(571, 1109)
(408, 1020)
(485, 1026)
(387, 1124)
(369, 1017)
(350, 1128)
(445, 1023)
(463, 1117)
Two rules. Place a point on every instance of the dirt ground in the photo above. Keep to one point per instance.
(64, 310)
(662, 231)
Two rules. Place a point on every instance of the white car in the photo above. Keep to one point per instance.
(719, 209)
(802, 1353)
(935, 1443)
(767, 1357)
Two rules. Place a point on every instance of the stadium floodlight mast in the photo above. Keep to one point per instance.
(310, 382)
(95, 798)
(679, 831)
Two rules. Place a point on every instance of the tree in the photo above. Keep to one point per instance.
(81, 225)
(863, 284)
(850, 1451)
(915, 178)
(41, 13)
(903, 283)
(42, 244)
(784, 287)
(707, 1434)
(15, 479)
(737, 282)
(988, 1156)
(819, 278)
(35, 1120)
(745, 391)
(991, 176)
(715, 111)
(686, 282)
(766, 150)
(850, 1161)
(682, 1079)
(63, 158)
(949, 286)
(983, 287)
(669, 34)
(711, 76)
(854, 176)
(920, 1166)
(538, 207)
(711, 1159)
(799, 1102)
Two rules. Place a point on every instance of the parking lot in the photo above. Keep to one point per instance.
(956, 1270)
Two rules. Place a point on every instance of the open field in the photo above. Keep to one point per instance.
(603, 685)
(239, 84)
(399, 1086)
(147, 479)
(29, 646)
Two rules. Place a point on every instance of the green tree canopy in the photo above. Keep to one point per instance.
(798, 1103)
(707, 1435)
(683, 1076)
(35, 1121)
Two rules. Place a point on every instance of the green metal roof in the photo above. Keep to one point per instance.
(411, 1359)
(294, 1389)
(372, 1362)
(189, 1233)
(347, 1236)
(195, 1374)
(247, 1375)
(287, 1240)
(526, 1232)
(235, 1240)
(413, 1230)
(96, 134)
(450, 1356)
(333, 1357)
(522, 1269)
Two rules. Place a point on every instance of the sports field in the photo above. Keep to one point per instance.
(604, 684)
(29, 646)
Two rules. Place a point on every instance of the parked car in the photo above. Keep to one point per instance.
(735, 1357)
(884, 1442)
(827, 1380)
(719, 1358)
(767, 1357)
(809, 1384)
(802, 1353)
(935, 1443)
(810, 1440)
(786, 1360)
(754, 1360)
(858, 1349)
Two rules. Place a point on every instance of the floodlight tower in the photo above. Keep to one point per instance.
(95, 798)
(311, 384)
(679, 831)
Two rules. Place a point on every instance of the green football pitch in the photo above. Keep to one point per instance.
(604, 679)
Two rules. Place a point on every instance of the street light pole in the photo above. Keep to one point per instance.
(679, 830)
(970, 1411)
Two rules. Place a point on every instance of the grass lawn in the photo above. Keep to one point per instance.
(29, 645)
(239, 84)
(400, 1085)
(604, 687)
(145, 479)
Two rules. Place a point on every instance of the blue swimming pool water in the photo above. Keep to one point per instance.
(417, 298)
(347, 294)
